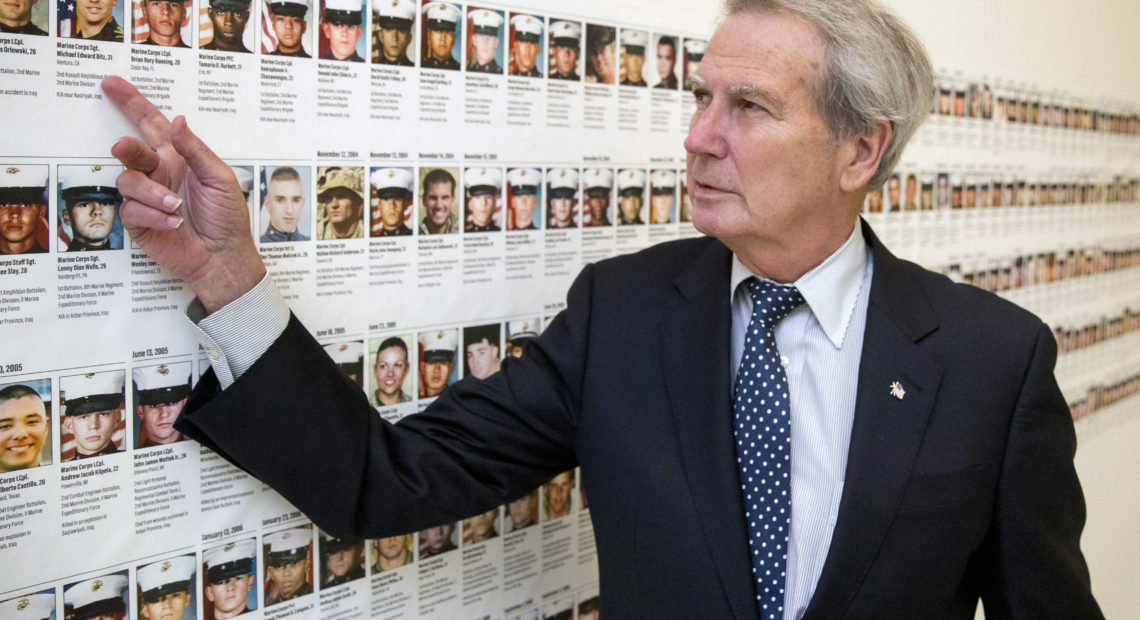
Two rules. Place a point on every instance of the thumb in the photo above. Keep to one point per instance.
(203, 161)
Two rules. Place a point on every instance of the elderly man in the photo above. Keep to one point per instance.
(16, 18)
(23, 207)
(228, 19)
(164, 22)
(289, 25)
(933, 449)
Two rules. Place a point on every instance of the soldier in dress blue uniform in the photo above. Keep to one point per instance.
(164, 588)
(23, 209)
(483, 191)
(565, 48)
(393, 194)
(92, 411)
(486, 27)
(599, 186)
(694, 52)
(439, 22)
(524, 197)
(289, 25)
(526, 45)
(342, 560)
(392, 22)
(91, 202)
(631, 196)
(97, 598)
(160, 395)
(667, 62)
(633, 43)
(28, 607)
(288, 564)
(230, 575)
(562, 198)
(662, 189)
(342, 29)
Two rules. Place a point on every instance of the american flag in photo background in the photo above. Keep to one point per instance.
(141, 29)
(66, 18)
(268, 37)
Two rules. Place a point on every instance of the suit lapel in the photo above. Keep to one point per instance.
(887, 430)
(695, 333)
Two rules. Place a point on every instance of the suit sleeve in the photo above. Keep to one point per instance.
(294, 421)
(1033, 566)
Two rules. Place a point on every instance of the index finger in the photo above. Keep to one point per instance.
(150, 121)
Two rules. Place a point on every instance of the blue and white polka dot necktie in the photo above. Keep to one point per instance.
(764, 442)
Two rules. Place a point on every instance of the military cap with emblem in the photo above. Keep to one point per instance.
(528, 28)
(662, 181)
(351, 179)
(28, 607)
(162, 384)
(230, 560)
(83, 394)
(230, 5)
(348, 356)
(165, 577)
(96, 597)
(393, 183)
(343, 12)
(290, 8)
(438, 346)
(485, 22)
(695, 49)
(483, 181)
(634, 41)
(631, 182)
(332, 544)
(23, 185)
(519, 332)
(244, 178)
(287, 547)
(441, 16)
(524, 181)
(394, 14)
(562, 182)
(565, 34)
(599, 182)
(90, 183)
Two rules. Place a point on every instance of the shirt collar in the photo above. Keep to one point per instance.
(831, 288)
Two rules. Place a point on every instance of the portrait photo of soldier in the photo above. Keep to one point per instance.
(89, 208)
(557, 495)
(391, 366)
(24, 17)
(392, 196)
(694, 53)
(284, 213)
(340, 202)
(95, 20)
(662, 196)
(441, 47)
(393, 552)
(519, 333)
(523, 198)
(437, 360)
(589, 608)
(601, 59)
(484, 41)
(565, 50)
(349, 359)
(92, 423)
(631, 196)
(23, 209)
(910, 193)
(231, 572)
(526, 45)
(288, 564)
(523, 512)
(926, 192)
(562, 198)
(633, 44)
(599, 183)
(342, 31)
(439, 211)
(35, 606)
(160, 394)
(481, 527)
(165, 589)
(942, 191)
(392, 22)
(100, 598)
(894, 192)
(874, 201)
(483, 192)
(228, 26)
(288, 20)
(438, 540)
(25, 425)
(342, 560)
(666, 47)
(481, 350)
(164, 22)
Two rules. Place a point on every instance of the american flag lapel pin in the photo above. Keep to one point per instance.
(897, 390)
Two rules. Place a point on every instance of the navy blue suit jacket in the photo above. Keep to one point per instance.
(963, 489)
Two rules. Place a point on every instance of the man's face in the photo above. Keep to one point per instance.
(943, 190)
(169, 607)
(289, 29)
(392, 212)
(522, 509)
(94, 12)
(229, 24)
(633, 64)
(342, 206)
(911, 190)
(484, 46)
(434, 376)
(525, 53)
(91, 221)
(482, 526)
(23, 430)
(565, 59)
(390, 369)
(603, 61)
(561, 209)
(875, 201)
(439, 43)
(16, 12)
(598, 206)
(481, 207)
(290, 577)
(630, 207)
(666, 60)
(284, 202)
(435, 538)
(93, 430)
(438, 200)
(893, 190)
(394, 43)
(342, 39)
(392, 547)
(482, 359)
(229, 596)
(660, 208)
(558, 494)
(762, 169)
(523, 208)
(165, 18)
(343, 561)
(159, 420)
(18, 221)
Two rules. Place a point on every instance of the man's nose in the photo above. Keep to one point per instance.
(707, 132)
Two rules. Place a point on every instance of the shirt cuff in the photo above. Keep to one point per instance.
(240, 332)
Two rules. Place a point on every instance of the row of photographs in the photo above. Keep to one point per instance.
(1104, 395)
(400, 368)
(911, 190)
(229, 573)
(999, 274)
(451, 200)
(430, 34)
(1074, 337)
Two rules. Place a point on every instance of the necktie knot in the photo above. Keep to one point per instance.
(772, 302)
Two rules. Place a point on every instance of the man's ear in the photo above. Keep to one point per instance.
(866, 151)
(66, 213)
